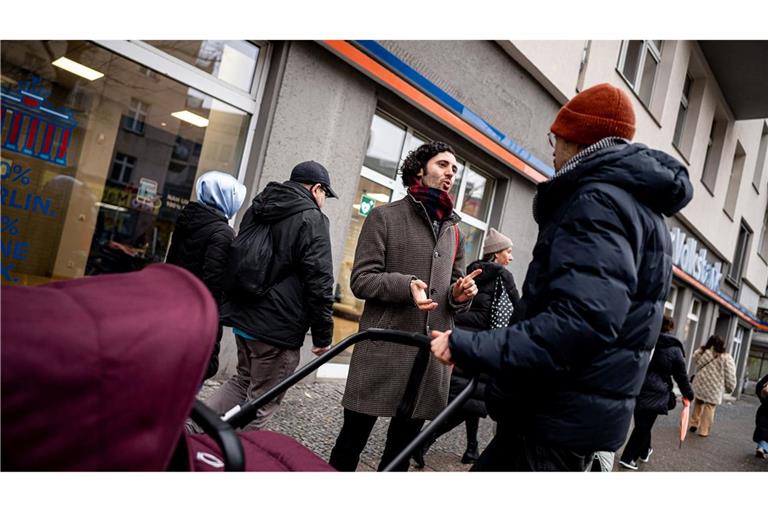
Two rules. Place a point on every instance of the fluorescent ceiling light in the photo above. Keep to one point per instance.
(191, 118)
(77, 68)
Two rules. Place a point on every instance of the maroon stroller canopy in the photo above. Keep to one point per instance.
(99, 373)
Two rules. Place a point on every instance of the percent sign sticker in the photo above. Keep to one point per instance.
(9, 225)
(16, 173)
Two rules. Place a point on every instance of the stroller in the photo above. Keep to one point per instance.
(100, 373)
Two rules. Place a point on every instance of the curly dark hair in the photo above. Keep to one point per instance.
(418, 158)
(716, 343)
(667, 324)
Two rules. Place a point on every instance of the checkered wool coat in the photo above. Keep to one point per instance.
(713, 373)
(397, 243)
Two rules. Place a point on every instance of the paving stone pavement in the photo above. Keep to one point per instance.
(311, 413)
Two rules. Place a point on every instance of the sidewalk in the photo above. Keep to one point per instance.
(312, 414)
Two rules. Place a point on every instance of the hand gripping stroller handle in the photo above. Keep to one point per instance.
(444, 415)
(241, 415)
(221, 432)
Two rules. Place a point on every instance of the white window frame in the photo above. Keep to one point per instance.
(137, 113)
(176, 69)
(648, 46)
(693, 318)
(684, 104)
(736, 343)
(125, 165)
(670, 304)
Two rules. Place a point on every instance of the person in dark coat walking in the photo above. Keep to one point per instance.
(564, 378)
(270, 328)
(202, 236)
(493, 307)
(760, 435)
(656, 396)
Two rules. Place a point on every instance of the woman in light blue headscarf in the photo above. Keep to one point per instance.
(202, 236)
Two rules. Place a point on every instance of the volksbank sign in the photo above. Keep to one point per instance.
(694, 263)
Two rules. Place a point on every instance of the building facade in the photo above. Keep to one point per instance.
(102, 142)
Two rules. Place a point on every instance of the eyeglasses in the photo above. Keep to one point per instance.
(552, 138)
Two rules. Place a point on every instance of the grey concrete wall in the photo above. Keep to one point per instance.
(323, 112)
(517, 223)
(489, 82)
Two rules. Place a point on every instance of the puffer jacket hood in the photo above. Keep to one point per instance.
(654, 178)
(281, 200)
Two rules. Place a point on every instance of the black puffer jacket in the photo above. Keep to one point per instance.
(301, 295)
(761, 418)
(478, 318)
(201, 243)
(667, 363)
(567, 374)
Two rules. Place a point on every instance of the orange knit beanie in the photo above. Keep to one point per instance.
(595, 113)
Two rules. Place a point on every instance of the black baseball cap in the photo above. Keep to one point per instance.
(312, 172)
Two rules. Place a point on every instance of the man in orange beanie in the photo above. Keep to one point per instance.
(564, 378)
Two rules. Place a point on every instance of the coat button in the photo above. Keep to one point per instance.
(432, 292)
(437, 254)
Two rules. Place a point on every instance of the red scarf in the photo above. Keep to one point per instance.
(438, 203)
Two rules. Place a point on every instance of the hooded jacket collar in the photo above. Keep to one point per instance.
(280, 200)
(654, 178)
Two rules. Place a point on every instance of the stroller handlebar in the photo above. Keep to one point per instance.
(242, 414)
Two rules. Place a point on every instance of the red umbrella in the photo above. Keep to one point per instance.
(684, 420)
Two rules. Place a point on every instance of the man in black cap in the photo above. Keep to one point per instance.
(297, 296)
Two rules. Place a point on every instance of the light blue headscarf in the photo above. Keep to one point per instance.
(221, 191)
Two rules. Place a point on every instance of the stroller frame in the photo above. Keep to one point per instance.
(222, 430)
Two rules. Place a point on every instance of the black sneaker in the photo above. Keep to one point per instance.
(693, 429)
(761, 454)
(647, 455)
(629, 464)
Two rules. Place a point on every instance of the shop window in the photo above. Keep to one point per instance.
(234, 62)
(122, 168)
(692, 322)
(740, 254)
(85, 195)
(682, 111)
(734, 183)
(760, 165)
(757, 365)
(389, 143)
(134, 120)
(638, 64)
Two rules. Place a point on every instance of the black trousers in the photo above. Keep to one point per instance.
(456, 419)
(640, 440)
(354, 435)
(511, 451)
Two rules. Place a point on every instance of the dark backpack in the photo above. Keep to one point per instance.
(250, 262)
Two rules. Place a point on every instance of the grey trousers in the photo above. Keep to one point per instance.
(259, 367)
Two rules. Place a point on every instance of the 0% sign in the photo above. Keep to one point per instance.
(16, 173)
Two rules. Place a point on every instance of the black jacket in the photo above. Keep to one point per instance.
(567, 374)
(667, 363)
(301, 295)
(761, 418)
(200, 244)
(478, 318)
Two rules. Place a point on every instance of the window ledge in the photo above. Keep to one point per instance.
(757, 190)
(730, 216)
(706, 186)
(632, 88)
